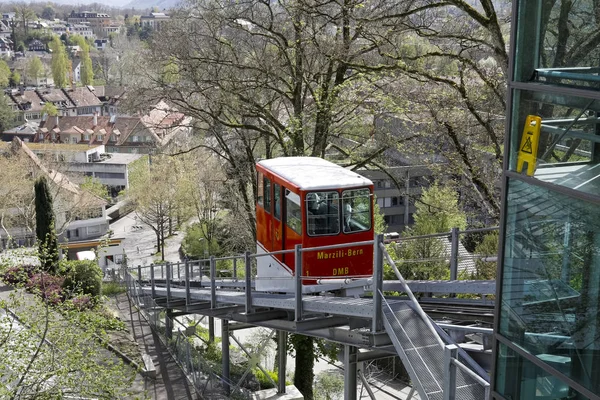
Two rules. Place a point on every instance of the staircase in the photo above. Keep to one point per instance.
(436, 367)
(423, 356)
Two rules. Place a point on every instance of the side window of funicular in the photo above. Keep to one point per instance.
(356, 210)
(267, 193)
(322, 213)
(277, 201)
(293, 215)
(260, 190)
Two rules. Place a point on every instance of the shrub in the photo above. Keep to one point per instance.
(20, 274)
(82, 302)
(82, 276)
(48, 286)
(113, 288)
(263, 380)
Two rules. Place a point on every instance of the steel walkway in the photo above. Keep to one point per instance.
(438, 367)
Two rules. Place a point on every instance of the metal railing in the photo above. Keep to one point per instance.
(238, 273)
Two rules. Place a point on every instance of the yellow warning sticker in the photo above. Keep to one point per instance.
(529, 144)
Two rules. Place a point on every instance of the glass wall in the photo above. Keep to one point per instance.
(547, 343)
(551, 283)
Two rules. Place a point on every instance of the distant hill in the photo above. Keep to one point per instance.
(160, 4)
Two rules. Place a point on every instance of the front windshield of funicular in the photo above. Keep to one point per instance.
(322, 213)
(356, 210)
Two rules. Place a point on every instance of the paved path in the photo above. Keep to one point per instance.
(170, 382)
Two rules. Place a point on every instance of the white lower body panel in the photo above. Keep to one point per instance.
(272, 275)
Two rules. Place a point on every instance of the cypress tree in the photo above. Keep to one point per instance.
(44, 226)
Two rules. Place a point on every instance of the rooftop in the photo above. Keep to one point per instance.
(121, 158)
(59, 147)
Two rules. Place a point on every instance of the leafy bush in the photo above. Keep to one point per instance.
(100, 318)
(20, 274)
(82, 302)
(265, 382)
(82, 276)
(48, 286)
(113, 288)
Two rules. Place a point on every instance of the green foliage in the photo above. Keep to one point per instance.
(438, 211)
(60, 63)
(82, 276)
(263, 380)
(487, 248)
(426, 258)
(87, 70)
(7, 116)
(379, 221)
(35, 68)
(4, 74)
(329, 385)
(95, 187)
(15, 79)
(195, 245)
(50, 109)
(69, 358)
(112, 288)
(44, 226)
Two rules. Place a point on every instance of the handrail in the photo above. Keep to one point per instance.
(471, 373)
(412, 297)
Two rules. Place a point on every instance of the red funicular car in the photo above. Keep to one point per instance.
(312, 202)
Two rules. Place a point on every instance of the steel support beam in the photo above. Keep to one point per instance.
(454, 255)
(377, 324)
(350, 372)
(169, 324)
(225, 356)
(281, 360)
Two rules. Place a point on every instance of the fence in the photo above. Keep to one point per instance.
(185, 347)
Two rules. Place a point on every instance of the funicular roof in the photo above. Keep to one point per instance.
(314, 173)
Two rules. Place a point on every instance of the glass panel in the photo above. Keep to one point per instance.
(267, 185)
(322, 211)
(551, 280)
(292, 211)
(534, 382)
(557, 42)
(277, 200)
(568, 149)
(260, 190)
(357, 210)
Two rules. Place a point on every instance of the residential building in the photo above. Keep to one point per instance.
(546, 338)
(36, 45)
(81, 30)
(95, 20)
(138, 135)
(6, 48)
(27, 105)
(25, 132)
(80, 216)
(5, 29)
(82, 160)
(155, 20)
(101, 44)
(110, 96)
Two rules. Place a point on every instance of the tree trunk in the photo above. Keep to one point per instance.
(305, 362)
